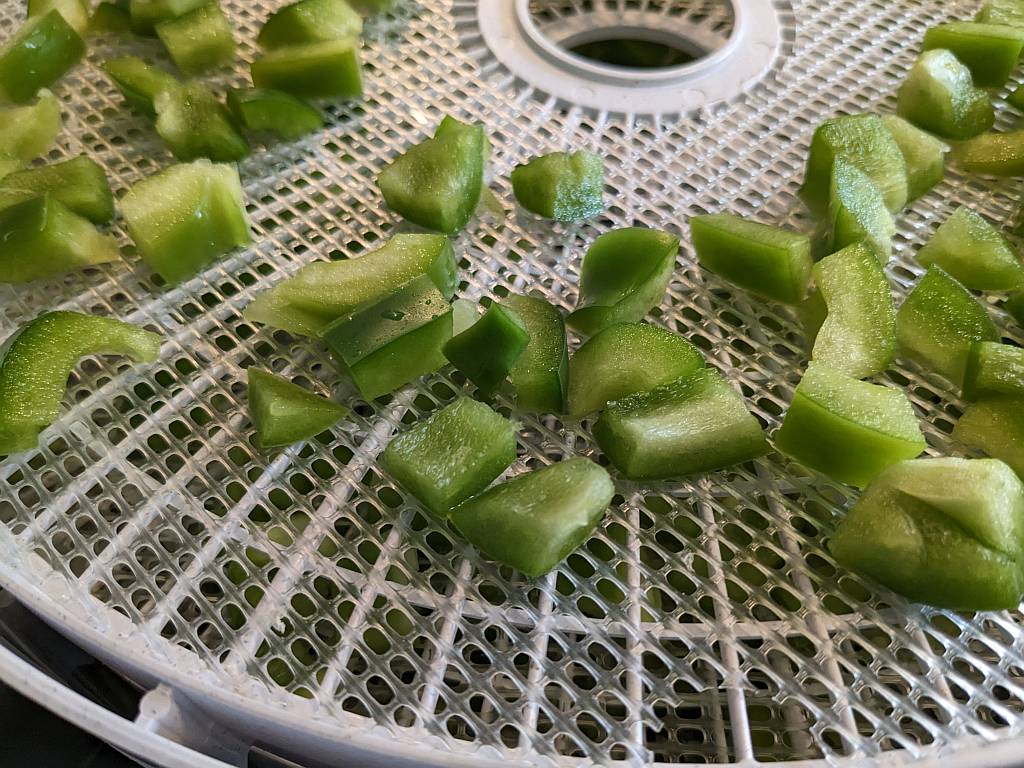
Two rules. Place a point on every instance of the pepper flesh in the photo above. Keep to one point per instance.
(562, 186)
(38, 358)
(453, 455)
(974, 253)
(321, 292)
(990, 51)
(857, 212)
(284, 413)
(624, 275)
(75, 12)
(995, 154)
(186, 216)
(277, 112)
(194, 124)
(847, 429)
(993, 369)
(535, 520)
(40, 238)
(28, 131)
(994, 425)
(110, 17)
(79, 183)
(310, 21)
(146, 14)
(939, 96)
(924, 155)
(1009, 12)
(198, 40)
(39, 53)
(487, 350)
(858, 335)
(541, 374)
(312, 70)
(139, 83)
(626, 359)
(763, 259)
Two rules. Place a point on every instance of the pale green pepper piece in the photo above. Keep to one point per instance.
(284, 413)
(993, 369)
(924, 154)
(146, 14)
(562, 186)
(994, 154)
(995, 425)
(28, 131)
(139, 83)
(973, 252)
(312, 70)
(310, 21)
(857, 212)
(990, 51)
(193, 124)
(79, 183)
(939, 96)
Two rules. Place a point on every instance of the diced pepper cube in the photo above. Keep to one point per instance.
(28, 131)
(973, 252)
(847, 429)
(990, 51)
(277, 112)
(1010, 12)
(763, 259)
(453, 455)
(198, 40)
(194, 124)
(140, 83)
(146, 14)
(541, 374)
(534, 521)
(284, 413)
(994, 154)
(924, 154)
(695, 424)
(39, 53)
(312, 70)
(487, 350)
(310, 21)
(994, 369)
(626, 359)
(75, 12)
(79, 183)
(562, 186)
(939, 96)
(995, 425)
(857, 212)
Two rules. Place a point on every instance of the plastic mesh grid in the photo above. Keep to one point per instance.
(704, 622)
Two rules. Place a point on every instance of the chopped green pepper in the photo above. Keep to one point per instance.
(694, 424)
(146, 14)
(763, 259)
(624, 275)
(195, 124)
(1016, 98)
(277, 112)
(973, 252)
(487, 350)
(312, 70)
(561, 186)
(186, 216)
(110, 17)
(858, 335)
(946, 532)
(400, 338)
(140, 83)
(453, 455)
(534, 521)
(995, 425)
(437, 183)
(41, 238)
(540, 376)
(198, 40)
(857, 212)
(993, 368)
(321, 292)
(370, 7)
(864, 142)
(924, 154)
(995, 154)
(36, 360)
(938, 322)
(284, 413)
(847, 429)
(990, 51)
(310, 21)
(28, 131)
(1009, 12)
(940, 97)
(75, 12)
(79, 183)
(1015, 306)
(627, 359)
(38, 55)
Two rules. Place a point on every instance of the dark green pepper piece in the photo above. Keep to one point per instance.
(75, 12)
(110, 17)
(195, 124)
(540, 376)
(994, 154)
(312, 70)
(284, 413)
(561, 186)
(310, 21)
(38, 55)
(198, 40)
(79, 183)
(487, 350)
(140, 83)
(995, 425)
(990, 51)
(277, 112)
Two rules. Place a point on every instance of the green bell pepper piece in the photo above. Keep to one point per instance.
(694, 424)
(371, 7)
(186, 216)
(1016, 98)
(994, 154)
(37, 359)
(766, 260)
(277, 112)
(624, 275)
(945, 532)
(284, 413)
(857, 212)
(75, 12)
(110, 17)
(973, 252)
(321, 292)
(437, 183)
(627, 359)
(140, 83)
(28, 131)
(939, 96)
(453, 455)
(198, 40)
(562, 186)
(1009, 12)
(990, 51)
(541, 374)
(312, 70)
(858, 335)
(310, 21)
(79, 183)
(864, 142)
(194, 124)
(938, 322)
(993, 369)
(1014, 305)
(487, 350)
(146, 14)
(847, 429)
(811, 313)
(39, 53)
(535, 520)
(394, 341)
(41, 238)
(995, 425)
(924, 154)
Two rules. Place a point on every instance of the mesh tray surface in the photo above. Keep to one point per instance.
(705, 620)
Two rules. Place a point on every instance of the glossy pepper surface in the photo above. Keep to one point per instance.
(924, 155)
(312, 70)
(993, 369)
(193, 123)
(857, 212)
(487, 350)
(310, 21)
(564, 186)
(284, 413)
(39, 53)
(990, 51)
(79, 183)
(277, 112)
(939, 96)
(541, 374)
(973, 252)
(139, 83)
(198, 40)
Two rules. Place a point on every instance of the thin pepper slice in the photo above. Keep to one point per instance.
(146, 14)
(79, 183)
(28, 131)
(312, 70)
(535, 520)
(75, 12)
(198, 40)
(994, 154)
(36, 360)
(994, 424)
(269, 111)
(973, 252)
(453, 455)
(857, 212)
(487, 350)
(939, 96)
(284, 413)
(140, 83)
(990, 51)
(38, 55)
(310, 21)
(321, 292)
(562, 186)
(993, 369)
(41, 237)
(626, 359)
(624, 275)
(194, 124)
(186, 216)
(541, 374)
(924, 154)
